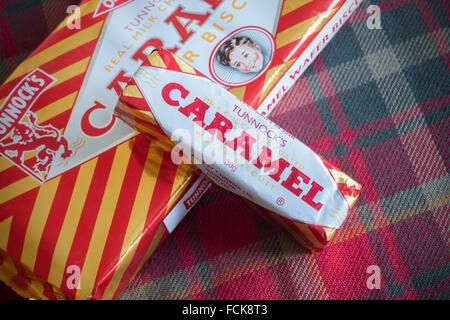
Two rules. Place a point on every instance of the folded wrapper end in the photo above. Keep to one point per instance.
(134, 109)
(312, 237)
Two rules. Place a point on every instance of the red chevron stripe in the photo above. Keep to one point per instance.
(86, 21)
(54, 223)
(124, 207)
(169, 60)
(291, 50)
(305, 12)
(278, 60)
(318, 232)
(55, 65)
(70, 57)
(253, 91)
(23, 206)
(309, 245)
(130, 117)
(158, 208)
(11, 175)
(88, 218)
(131, 120)
(140, 121)
(351, 191)
(134, 102)
(14, 173)
(59, 91)
(283, 52)
(137, 259)
(172, 64)
(125, 281)
(60, 121)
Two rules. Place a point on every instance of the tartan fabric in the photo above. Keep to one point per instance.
(376, 104)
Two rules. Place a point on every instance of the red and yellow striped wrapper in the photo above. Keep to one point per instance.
(85, 233)
(99, 221)
(103, 218)
(134, 109)
(300, 24)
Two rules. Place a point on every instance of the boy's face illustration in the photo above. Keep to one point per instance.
(247, 57)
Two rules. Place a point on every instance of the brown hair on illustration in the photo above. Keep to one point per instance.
(223, 54)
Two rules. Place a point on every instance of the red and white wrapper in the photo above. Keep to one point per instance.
(236, 147)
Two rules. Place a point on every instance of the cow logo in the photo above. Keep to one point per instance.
(35, 147)
(106, 6)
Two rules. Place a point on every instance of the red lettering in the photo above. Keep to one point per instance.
(219, 126)
(281, 164)
(174, 18)
(89, 129)
(309, 197)
(213, 3)
(293, 180)
(245, 142)
(169, 88)
(265, 160)
(115, 84)
(197, 108)
(152, 43)
(22, 98)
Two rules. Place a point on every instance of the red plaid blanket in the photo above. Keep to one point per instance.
(375, 103)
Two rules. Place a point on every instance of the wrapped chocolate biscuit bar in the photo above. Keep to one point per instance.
(85, 199)
(233, 145)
